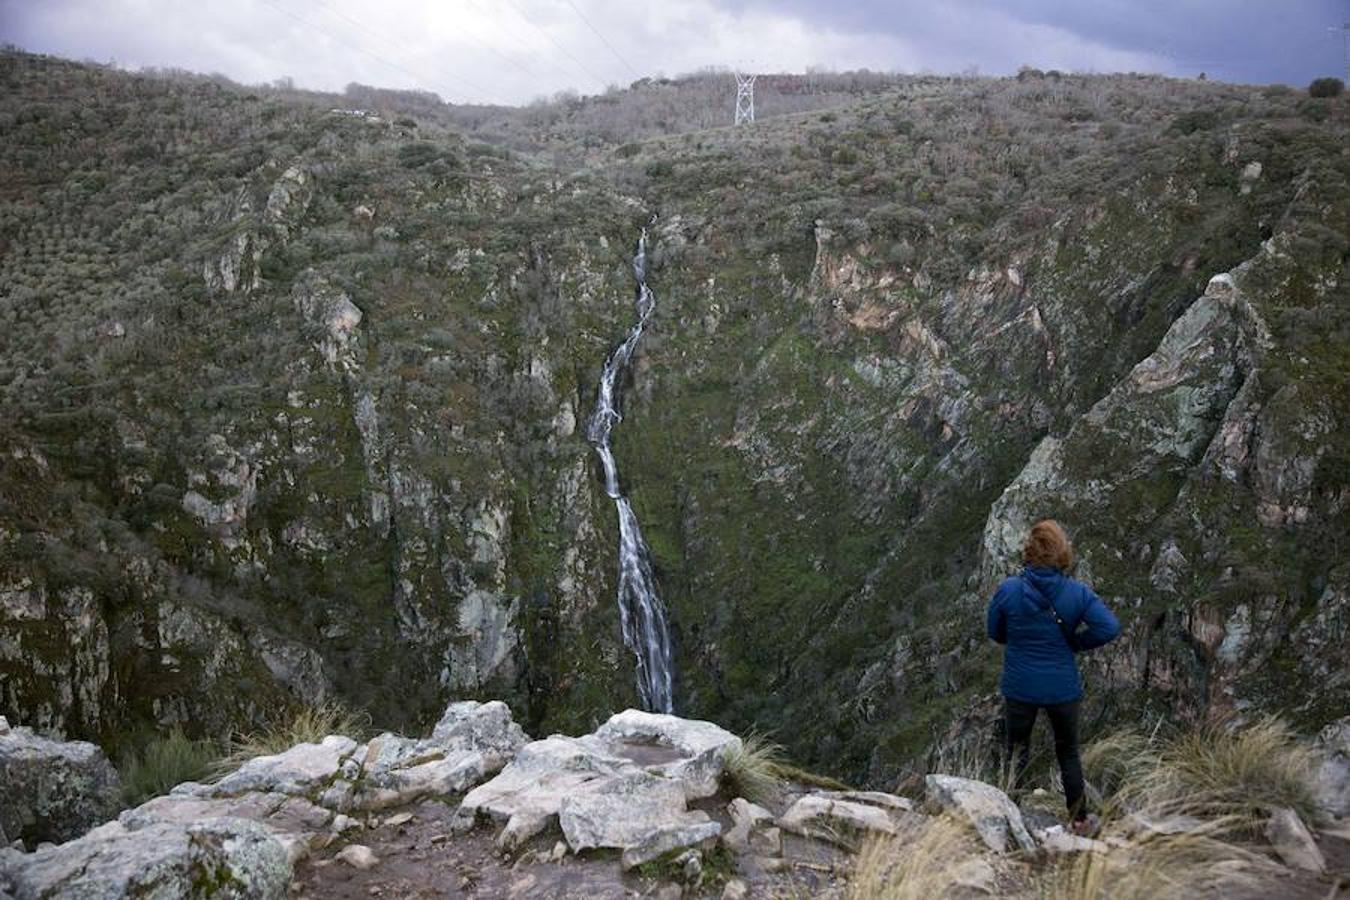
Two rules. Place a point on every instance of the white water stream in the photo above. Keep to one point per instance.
(641, 613)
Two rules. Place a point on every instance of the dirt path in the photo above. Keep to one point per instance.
(422, 858)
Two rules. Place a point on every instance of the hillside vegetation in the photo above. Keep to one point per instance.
(294, 399)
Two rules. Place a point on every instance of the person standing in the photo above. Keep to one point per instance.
(1044, 617)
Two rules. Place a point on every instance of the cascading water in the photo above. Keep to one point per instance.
(641, 613)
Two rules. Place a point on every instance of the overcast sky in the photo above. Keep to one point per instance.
(516, 50)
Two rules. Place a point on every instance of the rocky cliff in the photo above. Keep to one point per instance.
(293, 404)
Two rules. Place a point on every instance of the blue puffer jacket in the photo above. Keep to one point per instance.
(1038, 666)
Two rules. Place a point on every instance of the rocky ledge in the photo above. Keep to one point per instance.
(646, 805)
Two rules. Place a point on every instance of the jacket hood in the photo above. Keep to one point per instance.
(1046, 580)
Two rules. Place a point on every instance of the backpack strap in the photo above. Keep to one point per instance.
(1048, 606)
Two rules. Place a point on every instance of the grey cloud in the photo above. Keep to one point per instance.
(514, 50)
(1256, 41)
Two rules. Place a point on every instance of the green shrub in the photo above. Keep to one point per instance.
(1326, 87)
(165, 762)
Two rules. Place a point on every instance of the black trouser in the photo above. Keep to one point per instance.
(1021, 718)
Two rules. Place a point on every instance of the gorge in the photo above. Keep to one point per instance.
(293, 403)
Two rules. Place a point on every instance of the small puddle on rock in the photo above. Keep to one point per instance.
(647, 754)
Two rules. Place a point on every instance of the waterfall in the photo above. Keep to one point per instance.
(641, 613)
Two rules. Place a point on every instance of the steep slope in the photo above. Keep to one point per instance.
(875, 319)
(292, 411)
(293, 403)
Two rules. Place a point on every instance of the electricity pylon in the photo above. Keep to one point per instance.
(745, 98)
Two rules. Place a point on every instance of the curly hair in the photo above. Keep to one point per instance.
(1048, 545)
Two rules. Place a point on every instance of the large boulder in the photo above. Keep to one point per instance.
(220, 858)
(699, 748)
(626, 785)
(53, 790)
(528, 794)
(994, 816)
(472, 742)
(298, 824)
(624, 811)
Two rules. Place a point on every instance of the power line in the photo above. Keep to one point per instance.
(497, 25)
(482, 92)
(552, 40)
(602, 38)
(478, 91)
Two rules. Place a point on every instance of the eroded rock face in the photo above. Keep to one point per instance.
(53, 790)
(216, 857)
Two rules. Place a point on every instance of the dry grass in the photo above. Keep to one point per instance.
(978, 761)
(756, 770)
(789, 772)
(306, 725)
(1215, 773)
(1161, 867)
(1112, 761)
(900, 868)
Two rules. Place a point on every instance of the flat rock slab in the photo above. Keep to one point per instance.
(303, 769)
(53, 790)
(871, 798)
(225, 858)
(626, 811)
(298, 824)
(663, 840)
(994, 816)
(1056, 839)
(843, 822)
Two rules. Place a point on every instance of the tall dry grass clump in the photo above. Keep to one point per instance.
(1220, 773)
(756, 770)
(304, 725)
(1155, 867)
(978, 761)
(909, 868)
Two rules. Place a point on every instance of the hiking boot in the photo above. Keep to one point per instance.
(1087, 826)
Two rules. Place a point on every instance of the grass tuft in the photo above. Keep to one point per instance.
(306, 725)
(756, 770)
(977, 761)
(1166, 867)
(164, 763)
(905, 868)
(1216, 773)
